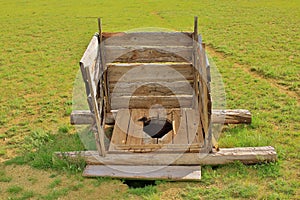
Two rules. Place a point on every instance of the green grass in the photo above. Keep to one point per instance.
(254, 44)
(14, 189)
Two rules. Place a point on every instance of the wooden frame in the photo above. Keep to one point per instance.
(109, 56)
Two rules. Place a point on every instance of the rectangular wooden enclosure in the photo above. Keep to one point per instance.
(154, 88)
(161, 77)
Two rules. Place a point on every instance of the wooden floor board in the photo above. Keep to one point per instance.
(175, 173)
(180, 127)
(119, 135)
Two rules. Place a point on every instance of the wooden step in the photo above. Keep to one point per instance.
(172, 173)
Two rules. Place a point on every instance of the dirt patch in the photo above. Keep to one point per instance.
(52, 184)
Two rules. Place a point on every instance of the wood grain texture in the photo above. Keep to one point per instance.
(149, 39)
(150, 72)
(147, 54)
(119, 135)
(246, 155)
(172, 173)
(142, 102)
(235, 116)
(161, 88)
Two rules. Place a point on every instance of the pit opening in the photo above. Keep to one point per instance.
(156, 127)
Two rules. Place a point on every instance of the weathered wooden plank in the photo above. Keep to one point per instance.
(168, 138)
(135, 130)
(194, 127)
(149, 38)
(150, 72)
(154, 88)
(119, 135)
(180, 136)
(150, 147)
(80, 117)
(99, 135)
(147, 54)
(173, 173)
(237, 116)
(91, 52)
(131, 102)
(246, 155)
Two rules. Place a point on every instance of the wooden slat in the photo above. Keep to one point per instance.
(174, 173)
(183, 101)
(91, 52)
(135, 131)
(157, 147)
(99, 135)
(180, 136)
(246, 155)
(156, 88)
(119, 135)
(194, 127)
(147, 54)
(80, 117)
(150, 72)
(168, 138)
(236, 116)
(149, 38)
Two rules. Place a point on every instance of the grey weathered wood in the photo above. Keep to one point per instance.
(80, 117)
(120, 131)
(147, 54)
(91, 53)
(149, 39)
(246, 155)
(99, 135)
(173, 173)
(149, 72)
(183, 101)
(236, 116)
(161, 88)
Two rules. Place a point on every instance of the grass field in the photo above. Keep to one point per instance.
(255, 45)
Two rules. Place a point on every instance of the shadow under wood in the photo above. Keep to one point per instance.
(139, 183)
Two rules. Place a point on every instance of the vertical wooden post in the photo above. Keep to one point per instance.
(196, 28)
(103, 67)
(100, 29)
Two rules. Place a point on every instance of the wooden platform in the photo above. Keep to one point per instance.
(128, 134)
(174, 173)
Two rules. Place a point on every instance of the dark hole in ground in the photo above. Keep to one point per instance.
(139, 183)
(156, 127)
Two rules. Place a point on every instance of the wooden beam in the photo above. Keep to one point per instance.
(237, 116)
(141, 102)
(173, 173)
(149, 38)
(149, 72)
(147, 54)
(246, 155)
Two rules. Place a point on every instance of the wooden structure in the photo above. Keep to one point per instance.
(155, 88)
